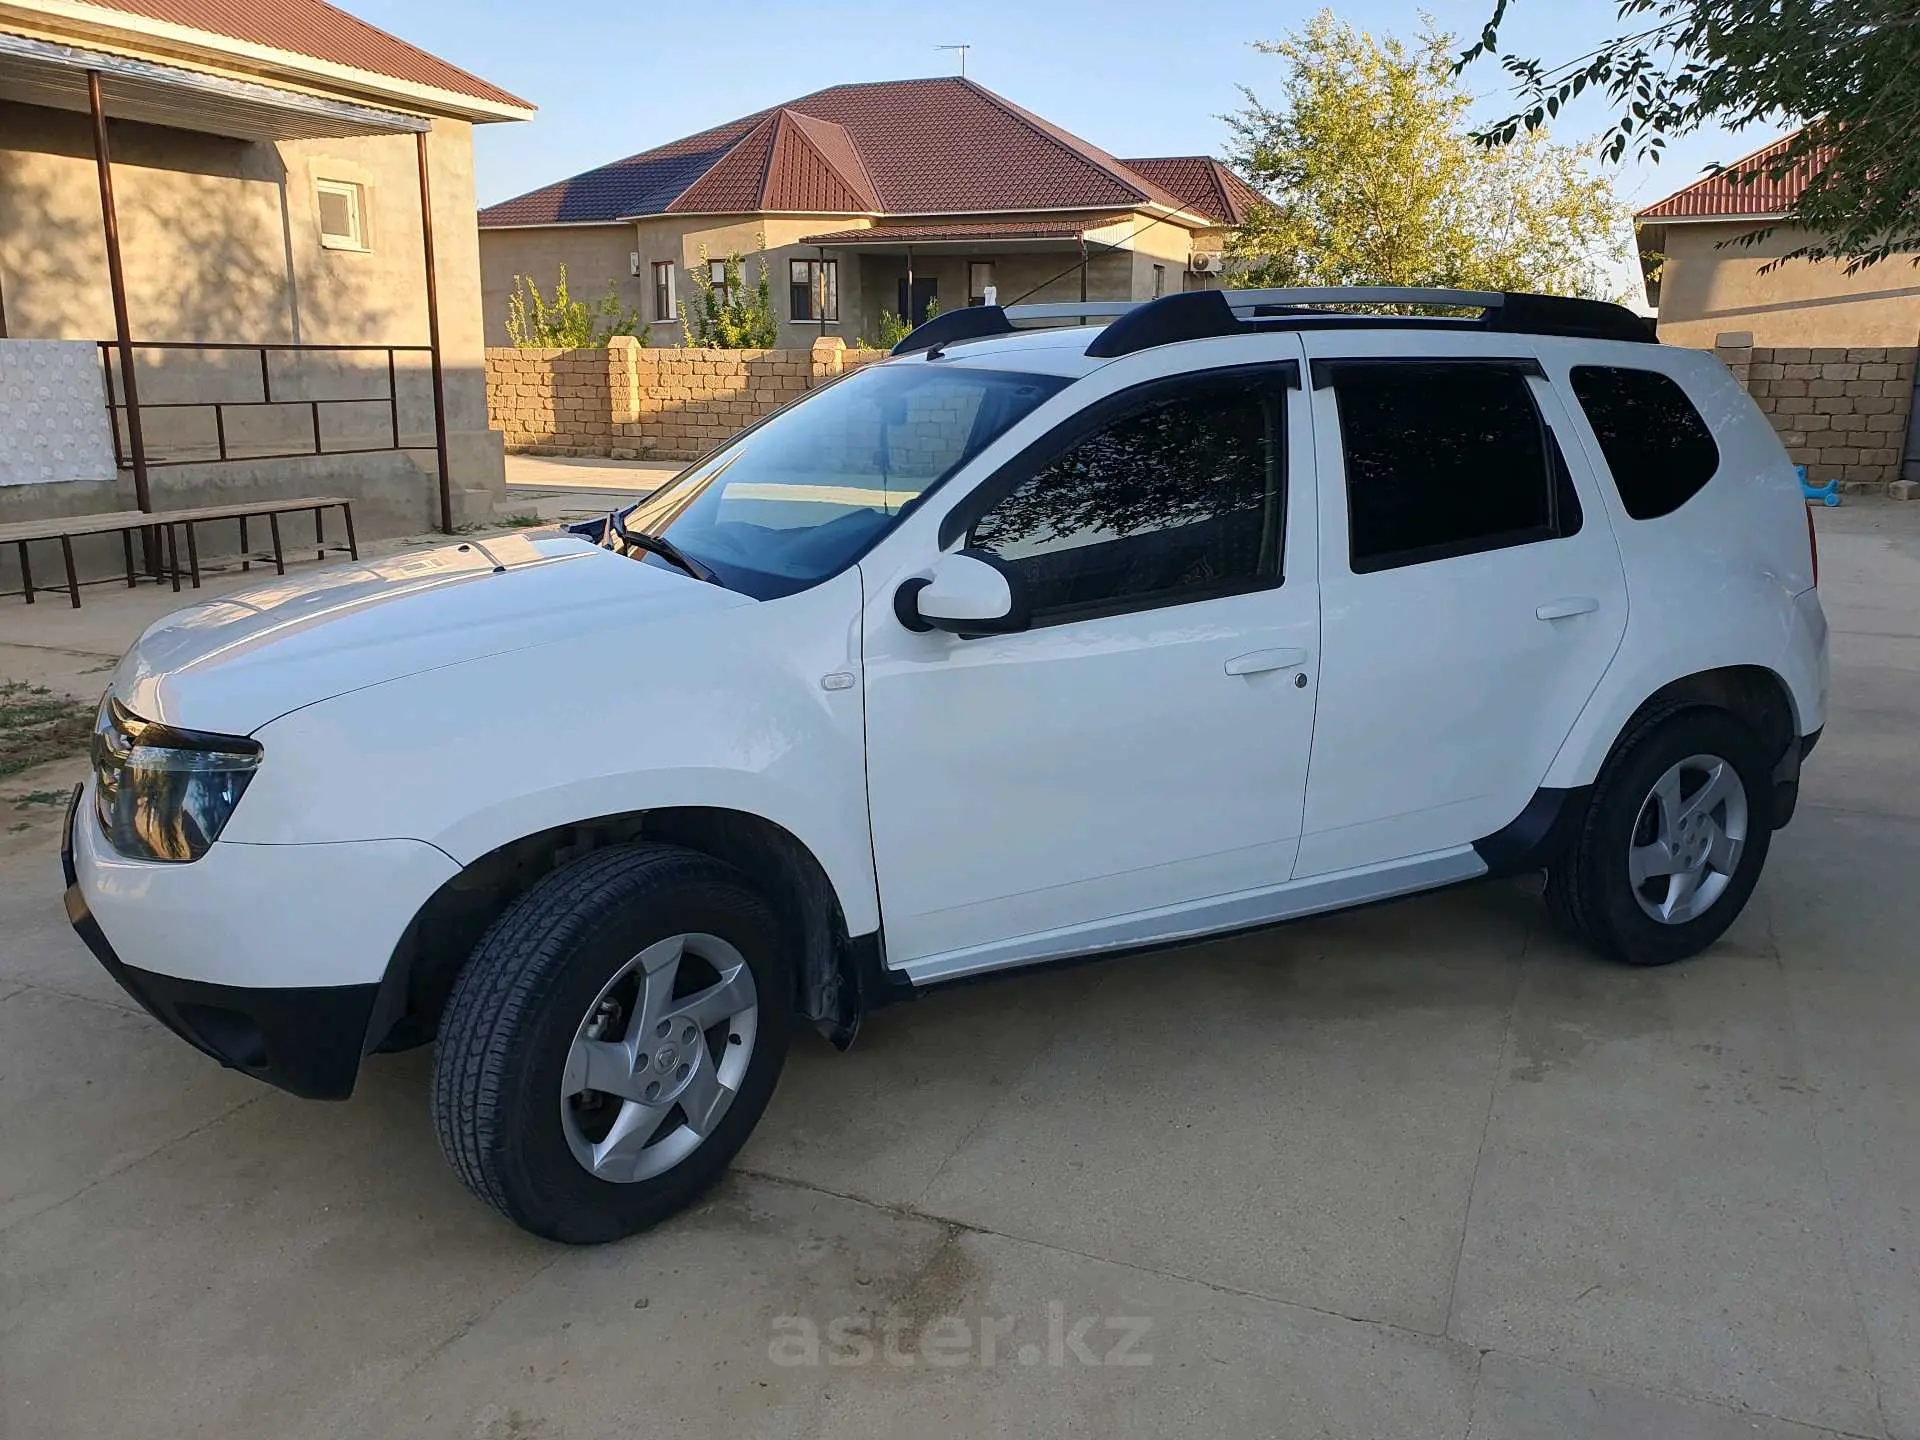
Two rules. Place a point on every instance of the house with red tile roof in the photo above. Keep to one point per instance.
(235, 195)
(1706, 283)
(894, 195)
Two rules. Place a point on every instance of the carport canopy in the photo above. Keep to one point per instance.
(44, 73)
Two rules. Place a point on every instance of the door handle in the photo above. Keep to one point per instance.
(1256, 661)
(1571, 605)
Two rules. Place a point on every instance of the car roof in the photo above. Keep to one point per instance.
(1048, 350)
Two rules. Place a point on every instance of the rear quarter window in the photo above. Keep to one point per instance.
(1660, 451)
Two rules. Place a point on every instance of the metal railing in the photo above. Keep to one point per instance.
(116, 407)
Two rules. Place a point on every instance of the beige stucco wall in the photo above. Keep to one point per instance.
(1707, 290)
(597, 254)
(593, 255)
(220, 241)
(869, 283)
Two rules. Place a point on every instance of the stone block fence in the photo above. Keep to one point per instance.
(635, 402)
(1844, 414)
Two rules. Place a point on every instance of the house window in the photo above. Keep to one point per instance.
(724, 293)
(979, 281)
(666, 305)
(814, 289)
(343, 210)
(1159, 281)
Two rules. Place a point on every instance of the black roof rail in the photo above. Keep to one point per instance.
(1200, 314)
(948, 326)
(978, 321)
(1205, 314)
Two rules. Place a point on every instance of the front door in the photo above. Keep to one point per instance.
(1132, 767)
(913, 308)
(1473, 594)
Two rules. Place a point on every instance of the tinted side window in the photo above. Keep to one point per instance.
(1660, 451)
(1175, 500)
(1445, 460)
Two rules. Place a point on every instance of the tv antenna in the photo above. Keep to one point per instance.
(963, 56)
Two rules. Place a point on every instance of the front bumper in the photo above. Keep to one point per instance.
(306, 1039)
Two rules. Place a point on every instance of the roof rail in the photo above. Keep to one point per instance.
(1203, 314)
(1198, 314)
(977, 321)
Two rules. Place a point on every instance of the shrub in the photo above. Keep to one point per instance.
(730, 316)
(564, 323)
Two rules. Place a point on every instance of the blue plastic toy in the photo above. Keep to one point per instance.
(1827, 494)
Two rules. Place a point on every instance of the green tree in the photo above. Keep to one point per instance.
(1850, 69)
(729, 316)
(564, 323)
(1371, 177)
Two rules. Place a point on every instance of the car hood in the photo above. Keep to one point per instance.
(233, 664)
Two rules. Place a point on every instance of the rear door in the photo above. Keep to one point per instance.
(1472, 593)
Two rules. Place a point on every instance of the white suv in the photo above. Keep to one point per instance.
(1026, 644)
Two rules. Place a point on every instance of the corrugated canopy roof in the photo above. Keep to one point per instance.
(39, 72)
(879, 235)
(319, 31)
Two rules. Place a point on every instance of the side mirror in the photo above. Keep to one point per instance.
(971, 593)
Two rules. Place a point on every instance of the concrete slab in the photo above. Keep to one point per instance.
(90, 1089)
(1295, 1113)
(583, 472)
(1525, 1400)
(1846, 933)
(39, 947)
(287, 1262)
(1652, 1201)
(879, 1121)
(966, 1334)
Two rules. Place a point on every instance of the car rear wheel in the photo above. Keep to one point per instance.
(1673, 840)
(612, 1041)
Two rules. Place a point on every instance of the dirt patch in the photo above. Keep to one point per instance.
(38, 725)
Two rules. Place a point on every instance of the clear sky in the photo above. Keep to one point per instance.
(612, 77)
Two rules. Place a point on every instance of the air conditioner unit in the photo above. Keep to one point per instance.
(1209, 263)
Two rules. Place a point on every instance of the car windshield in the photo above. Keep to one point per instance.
(805, 493)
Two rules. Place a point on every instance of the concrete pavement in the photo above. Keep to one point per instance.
(557, 487)
(1423, 1170)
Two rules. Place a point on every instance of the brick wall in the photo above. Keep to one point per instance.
(636, 402)
(555, 401)
(1841, 413)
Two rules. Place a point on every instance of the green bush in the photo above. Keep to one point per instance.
(564, 323)
(730, 317)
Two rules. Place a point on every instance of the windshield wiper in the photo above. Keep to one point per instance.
(664, 548)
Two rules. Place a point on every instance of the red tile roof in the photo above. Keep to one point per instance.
(1721, 195)
(917, 147)
(788, 162)
(966, 230)
(319, 31)
(1201, 183)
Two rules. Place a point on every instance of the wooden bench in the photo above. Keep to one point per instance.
(166, 525)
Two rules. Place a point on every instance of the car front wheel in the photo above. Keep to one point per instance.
(1673, 840)
(612, 1041)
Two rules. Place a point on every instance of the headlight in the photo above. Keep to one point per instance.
(161, 793)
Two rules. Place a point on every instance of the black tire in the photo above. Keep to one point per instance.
(520, 1000)
(1589, 893)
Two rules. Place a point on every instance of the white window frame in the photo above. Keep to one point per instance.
(355, 194)
(672, 269)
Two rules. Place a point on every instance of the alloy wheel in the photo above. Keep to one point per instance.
(658, 1058)
(1687, 839)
